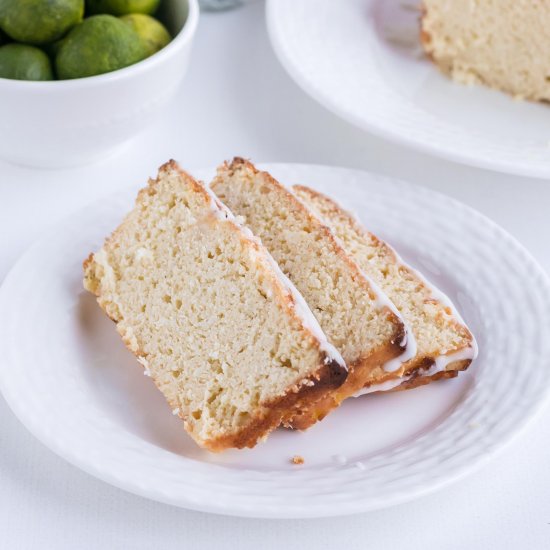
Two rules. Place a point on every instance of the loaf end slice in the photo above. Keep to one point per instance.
(223, 334)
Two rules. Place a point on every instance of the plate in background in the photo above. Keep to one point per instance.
(362, 60)
(72, 383)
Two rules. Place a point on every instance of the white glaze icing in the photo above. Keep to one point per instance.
(443, 360)
(466, 353)
(441, 364)
(408, 341)
(381, 300)
(383, 386)
(409, 351)
(301, 308)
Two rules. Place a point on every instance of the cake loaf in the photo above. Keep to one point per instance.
(445, 346)
(501, 43)
(222, 332)
(355, 315)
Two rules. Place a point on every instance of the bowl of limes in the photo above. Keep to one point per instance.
(80, 78)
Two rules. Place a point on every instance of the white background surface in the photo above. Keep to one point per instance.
(238, 100)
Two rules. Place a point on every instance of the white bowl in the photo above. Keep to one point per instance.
(72, 122)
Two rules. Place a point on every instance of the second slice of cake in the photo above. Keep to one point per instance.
(355, 315)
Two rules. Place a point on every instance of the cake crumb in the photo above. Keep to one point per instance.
(297, 459)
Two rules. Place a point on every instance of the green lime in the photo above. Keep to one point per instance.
(153, 33)
(100, 44)
(22, 62)
(39, 21)
(122, 7)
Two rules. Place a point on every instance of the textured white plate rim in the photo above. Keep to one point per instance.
(74, 460)
(385, 131)
(535, 408)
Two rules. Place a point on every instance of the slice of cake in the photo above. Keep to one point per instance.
(445, 346)
(355, 315)
(503, 44)
(225, 336)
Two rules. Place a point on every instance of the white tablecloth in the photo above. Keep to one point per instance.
(237, 99)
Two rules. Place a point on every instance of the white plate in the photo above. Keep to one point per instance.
(69, 379)
(362, 60)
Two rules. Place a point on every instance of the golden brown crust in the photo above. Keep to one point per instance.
(363, 373)
(420, 380)
(329, 376)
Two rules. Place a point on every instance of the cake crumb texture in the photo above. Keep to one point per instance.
(503, 44)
